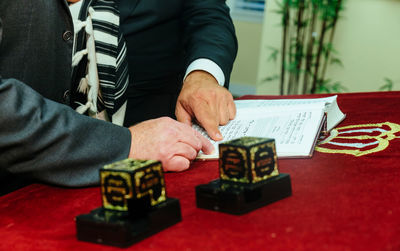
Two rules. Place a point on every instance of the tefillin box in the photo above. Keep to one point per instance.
(132, 185)
(249, 177)
(135, 205)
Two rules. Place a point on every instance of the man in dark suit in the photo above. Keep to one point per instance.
(41, 137)
(179, 41)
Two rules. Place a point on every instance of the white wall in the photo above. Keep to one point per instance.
(367, 38)
(245, 69)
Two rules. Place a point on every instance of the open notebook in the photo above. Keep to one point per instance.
(295, 124)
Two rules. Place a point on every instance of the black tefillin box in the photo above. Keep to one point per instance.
(135, 205)
(249, 177)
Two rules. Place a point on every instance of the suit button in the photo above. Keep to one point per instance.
(66, 97)
(67, 35)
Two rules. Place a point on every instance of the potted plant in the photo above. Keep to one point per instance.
(308, 29)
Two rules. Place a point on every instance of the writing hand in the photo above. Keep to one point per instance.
(173, 143)
(203, 99)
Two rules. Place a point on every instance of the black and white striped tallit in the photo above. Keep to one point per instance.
(107, 76)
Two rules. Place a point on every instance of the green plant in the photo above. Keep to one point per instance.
(387, 86)
(308, 28)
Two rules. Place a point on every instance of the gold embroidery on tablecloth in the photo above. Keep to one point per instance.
(357, 148)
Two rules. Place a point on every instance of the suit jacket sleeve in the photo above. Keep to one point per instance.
(209, 33)
(49, 141)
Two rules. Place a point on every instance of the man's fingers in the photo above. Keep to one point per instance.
(175, 145)
(223, 114)
(186, 134)
(182, 115)
(183, 153)
(208, 118)
(232, 109)
(176, 164)
(207, 147)
(183, 149)
(190, 150)
(210, 124)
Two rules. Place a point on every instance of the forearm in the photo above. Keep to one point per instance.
(51, 142)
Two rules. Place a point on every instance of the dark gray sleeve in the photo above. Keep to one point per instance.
(49, 141)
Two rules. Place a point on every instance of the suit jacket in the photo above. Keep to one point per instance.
(163, 38)
(40, 135)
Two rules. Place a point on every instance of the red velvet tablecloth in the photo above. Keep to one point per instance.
(346, 197)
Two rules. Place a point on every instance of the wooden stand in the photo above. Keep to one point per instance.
(120, 229)
(238, 198)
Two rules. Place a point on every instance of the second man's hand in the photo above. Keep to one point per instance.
(173, 143)
(204, 100)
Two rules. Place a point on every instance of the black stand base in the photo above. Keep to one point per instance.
(119, 229)
(237, 198)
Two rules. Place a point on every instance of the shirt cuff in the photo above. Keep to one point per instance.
(209, 66)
